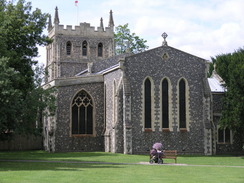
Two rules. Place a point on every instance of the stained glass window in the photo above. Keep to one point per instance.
(147, 103)
(165, 104)
(82, 114)
(182, 103)
(224, 135)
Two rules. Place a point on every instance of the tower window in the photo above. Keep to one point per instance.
(82, 114)
(68, 48)
(100, 50)
(84, 48)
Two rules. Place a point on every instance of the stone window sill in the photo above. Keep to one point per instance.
(82, 135)
(183, 129)
(165, 130)
(148, 130)
(224, 143)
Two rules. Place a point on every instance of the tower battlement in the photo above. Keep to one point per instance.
(84, 29)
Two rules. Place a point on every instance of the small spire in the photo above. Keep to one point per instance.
(128, 49)
(111, 20)
(56, 18)
(101, 23)
(214, 67)
(50, 26)
(164, 35)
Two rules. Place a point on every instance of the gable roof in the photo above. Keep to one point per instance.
(169, 50)
(99, 67)
(107, 63)
(216, 83)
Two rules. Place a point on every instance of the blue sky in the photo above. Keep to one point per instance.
(204, 28)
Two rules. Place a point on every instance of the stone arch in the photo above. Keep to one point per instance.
(82, 114)
(84, 48)
(68, 48)
(183, 104)
(148, 104)
(100, 50)
(166, 91)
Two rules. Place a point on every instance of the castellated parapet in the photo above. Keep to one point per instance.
(83, 30)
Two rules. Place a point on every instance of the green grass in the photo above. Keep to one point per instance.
(219, 168)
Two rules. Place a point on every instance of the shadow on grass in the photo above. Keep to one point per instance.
(36, 166)
(103, 157)
(43, 155)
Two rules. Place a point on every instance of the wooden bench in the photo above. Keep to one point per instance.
(170, 154)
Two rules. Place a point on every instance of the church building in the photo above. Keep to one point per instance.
(125, 103)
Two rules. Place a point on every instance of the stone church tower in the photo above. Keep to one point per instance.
(73, 49)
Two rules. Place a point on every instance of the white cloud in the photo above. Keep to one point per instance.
(203, 28)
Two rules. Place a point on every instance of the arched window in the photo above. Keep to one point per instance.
(165, 104)
(114, 102)
(100, 50)
(84, 48)
(82, 114)
(147, 104)
(224, 136)
(68, 48)
(105, 105)
(182, 103)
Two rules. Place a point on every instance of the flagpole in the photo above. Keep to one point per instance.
(77, 15)
(77, 8)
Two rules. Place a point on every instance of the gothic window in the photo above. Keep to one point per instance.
(165, 104)
(147, 104)
(68, 48)
(84, 48)
(182, 103)
(224, 136)
(105, 105)
(82, 114)
(100, 50)
(114, 102)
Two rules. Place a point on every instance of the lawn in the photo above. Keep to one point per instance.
(73, 167)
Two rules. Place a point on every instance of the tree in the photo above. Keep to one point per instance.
(21, 94)
(20, 33)
(124, 40)
(231, 68)
(9, 97)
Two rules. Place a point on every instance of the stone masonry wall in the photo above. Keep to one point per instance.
(178, 65)
(229, 148)
(114, 124)
(64, 141)
(75, 59)
(217, 102)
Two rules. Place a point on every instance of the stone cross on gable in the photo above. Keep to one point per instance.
(164, 35)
